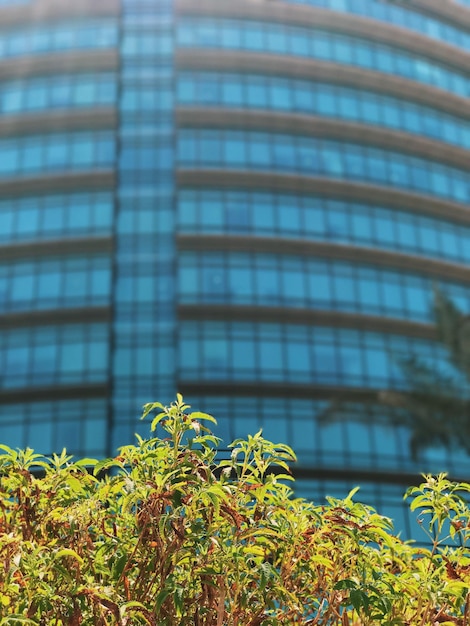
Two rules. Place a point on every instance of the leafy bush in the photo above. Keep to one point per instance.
(168, 534)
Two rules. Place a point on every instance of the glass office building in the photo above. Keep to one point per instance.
(247, 201)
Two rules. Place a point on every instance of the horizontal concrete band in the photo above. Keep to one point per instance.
(453, 12)
(54, 393)
(56, 247)
(316, 126)
(358, 475)
(331, 188)
(55, 317)
(99, 118)
(307, 317)
(66, 62)
(261, 389)
(102, 180)
(53, 10)
(313, 69)
(345, 23)
(326, 250)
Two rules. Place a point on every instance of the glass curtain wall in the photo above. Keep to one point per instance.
(144, 327)
(55, 227)
(285, 300)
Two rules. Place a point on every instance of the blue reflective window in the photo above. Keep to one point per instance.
(294, 282)
(52, 355)
(204, 148)
(320, 44)
(59, 216)
(322, 355)
(56, 152)
(37, 39)
(232, 93)
(55, 283)
(306, 217)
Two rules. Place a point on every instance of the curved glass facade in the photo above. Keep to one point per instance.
(58, 37)
(45, 355)
(56, 217)
(181, 212)
(257, 92)
(50, 283)
(232, 149)
(57, 92)
(311, 283)
(400, 15)
(297, 354)
(27, 156)
(319, 44)
(52, 425)
(317, 218)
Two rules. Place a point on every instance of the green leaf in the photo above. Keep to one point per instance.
(148, 408)
(156, 420)
(420, 501)
(321, 560)
(197, 415)
(352, 493)
(359, 600)
(161, 597)
(75, 485)
(67, 552)
(118, 566)
(178, 599)
(106, 464)
(9, 451)
(86, 463)
(345, 584)
(137, 609)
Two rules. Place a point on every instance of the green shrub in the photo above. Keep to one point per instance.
(169, 534)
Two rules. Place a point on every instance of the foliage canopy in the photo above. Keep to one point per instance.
(167, 533)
